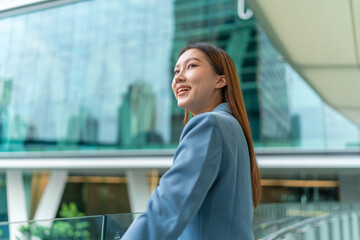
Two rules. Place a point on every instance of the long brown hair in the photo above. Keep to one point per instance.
(223, 65)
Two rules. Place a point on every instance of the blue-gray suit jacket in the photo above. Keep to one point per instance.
(207, 193)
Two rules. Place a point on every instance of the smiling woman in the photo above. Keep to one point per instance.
(213, 186)
(196, 86)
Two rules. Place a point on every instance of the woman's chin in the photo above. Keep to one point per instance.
(182, 104)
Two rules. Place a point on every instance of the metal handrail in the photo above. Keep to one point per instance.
(300, 224)
(269, 224)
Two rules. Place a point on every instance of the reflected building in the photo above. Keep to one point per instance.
(82, 128)
(71, 70)
(275, 117)
(15, 130)
(5, 93)
(5, 97)
(32, 134)
(137, 117)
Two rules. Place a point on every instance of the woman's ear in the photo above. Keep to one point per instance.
(221, 82)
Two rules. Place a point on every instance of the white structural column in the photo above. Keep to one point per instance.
(50, 199)
(355, 233)
(138, 190)
(16, 201)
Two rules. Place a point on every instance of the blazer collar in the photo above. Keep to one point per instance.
(222, 107)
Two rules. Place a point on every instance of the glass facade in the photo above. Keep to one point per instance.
(96, 75)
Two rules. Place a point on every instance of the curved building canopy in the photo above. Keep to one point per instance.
(321, 40)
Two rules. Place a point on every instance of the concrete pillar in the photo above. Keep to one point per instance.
(15, 201)
(138, 190)
(50, 200)
(349, 187)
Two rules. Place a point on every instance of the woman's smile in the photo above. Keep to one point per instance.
(182, 90)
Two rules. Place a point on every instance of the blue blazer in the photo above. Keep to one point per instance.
(207, 192)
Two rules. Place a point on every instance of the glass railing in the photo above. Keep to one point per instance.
(90, 227)
(276, 211)
(311, 221)
(266, 228)
(79, 228)
(335, 226)
(271, 221)
(116, 225)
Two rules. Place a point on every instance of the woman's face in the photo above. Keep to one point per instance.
(196, 86)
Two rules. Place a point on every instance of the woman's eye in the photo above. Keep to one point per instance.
(191, 66)
(176, 72)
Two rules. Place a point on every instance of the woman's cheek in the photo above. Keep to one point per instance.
(173, 89)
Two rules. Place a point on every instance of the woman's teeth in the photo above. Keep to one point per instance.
(183, 89)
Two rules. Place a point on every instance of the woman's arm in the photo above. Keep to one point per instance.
(182, 189)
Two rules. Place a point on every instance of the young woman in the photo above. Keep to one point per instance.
(212, 188)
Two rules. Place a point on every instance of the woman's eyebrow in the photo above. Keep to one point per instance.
(189, 59)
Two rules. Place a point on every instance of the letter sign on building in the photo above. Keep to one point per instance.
(242, 12)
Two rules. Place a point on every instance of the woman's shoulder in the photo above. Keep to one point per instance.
(207, 119)
(225, 121)
(214, 117)
(210, 120)
(201, 124)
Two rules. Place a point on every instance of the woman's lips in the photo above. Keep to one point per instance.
(183, 90)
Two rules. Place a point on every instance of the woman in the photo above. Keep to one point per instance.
(212, 188)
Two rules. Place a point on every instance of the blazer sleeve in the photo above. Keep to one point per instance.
(183, 188)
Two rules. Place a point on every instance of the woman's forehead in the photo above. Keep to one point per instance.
(191, 54)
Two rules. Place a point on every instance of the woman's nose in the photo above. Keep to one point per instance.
(179, 78)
